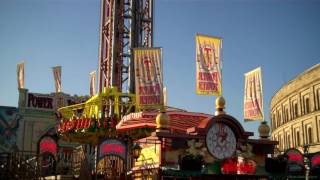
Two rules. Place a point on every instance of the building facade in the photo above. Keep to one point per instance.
(39, 115)
(21, 127)
(295, 112)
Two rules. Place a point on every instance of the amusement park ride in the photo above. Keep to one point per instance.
(139, 142)
(125, 24)
(113, 135)
(113, 121)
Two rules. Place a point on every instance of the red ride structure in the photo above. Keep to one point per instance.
(125, 24)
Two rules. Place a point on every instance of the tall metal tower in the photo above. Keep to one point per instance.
(125, 24)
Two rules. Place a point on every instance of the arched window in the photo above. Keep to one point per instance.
(318, 98)
(284, 116)
(298, 138)
(310, 135)
(279, 118)
(274, 121)
(307, 105)
(296, 110)
(288, 141)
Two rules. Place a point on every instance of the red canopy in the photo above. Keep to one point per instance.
(179, 120)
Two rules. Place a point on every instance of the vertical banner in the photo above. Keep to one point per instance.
(208, 64)
(93, 75)
(20, 75)
(148, 77)
(253, 96)
(165, 97)
(57, 77)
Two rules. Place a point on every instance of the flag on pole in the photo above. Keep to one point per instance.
(20, 74)
(165, 97)
(253, 96)
(57, 77)
(148, 77)
(208, 65)
(93, 75)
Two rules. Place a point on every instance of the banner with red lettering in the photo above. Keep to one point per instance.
(93, 83)
(148, 77)
(57, 77)
(20, 74)
(253, 96)
(208, 65)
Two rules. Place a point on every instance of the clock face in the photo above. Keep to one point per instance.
(221, 141)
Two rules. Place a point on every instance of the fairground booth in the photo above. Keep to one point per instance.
(170, 144)
(195, 145)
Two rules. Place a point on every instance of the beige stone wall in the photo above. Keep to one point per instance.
(39, 115)
(295, 112)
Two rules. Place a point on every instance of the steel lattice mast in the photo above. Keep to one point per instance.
(125, 24)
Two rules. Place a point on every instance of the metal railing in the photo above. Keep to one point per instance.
(19, 165)
(24, 165)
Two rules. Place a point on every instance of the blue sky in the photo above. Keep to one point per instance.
(283, 37)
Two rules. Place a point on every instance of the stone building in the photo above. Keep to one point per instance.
(295, 112)
(38, 112)
(22, 127)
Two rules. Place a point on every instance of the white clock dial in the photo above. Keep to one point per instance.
(221, 141)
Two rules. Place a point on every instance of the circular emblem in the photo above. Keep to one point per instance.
(221, 141)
